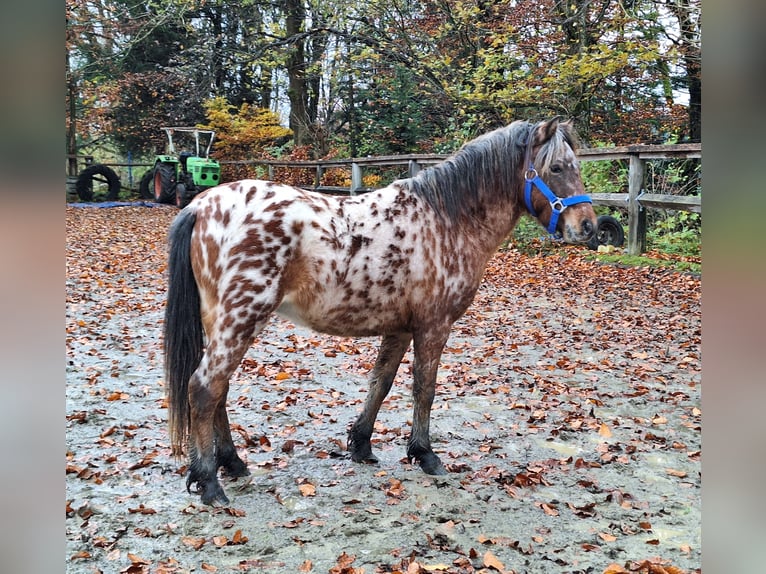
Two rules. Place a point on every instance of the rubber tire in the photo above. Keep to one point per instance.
(608, 232)
(183, 195)
(84, 184)
(164, 183)
(144, 190)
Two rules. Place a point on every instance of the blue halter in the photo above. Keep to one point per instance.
(558, 204)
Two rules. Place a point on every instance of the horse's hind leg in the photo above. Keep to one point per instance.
(211, 445)
(392, 349)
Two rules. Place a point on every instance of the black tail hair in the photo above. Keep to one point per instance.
(183, 333)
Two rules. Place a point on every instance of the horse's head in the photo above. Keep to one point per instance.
(554, 192)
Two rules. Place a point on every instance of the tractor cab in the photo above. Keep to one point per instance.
(178, 177)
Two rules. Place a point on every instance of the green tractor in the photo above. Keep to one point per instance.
(177, 178)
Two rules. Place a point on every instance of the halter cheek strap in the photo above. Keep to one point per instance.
(558, 204)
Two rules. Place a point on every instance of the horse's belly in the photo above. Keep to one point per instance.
(343, 319)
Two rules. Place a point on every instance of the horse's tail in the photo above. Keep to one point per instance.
(183, 332)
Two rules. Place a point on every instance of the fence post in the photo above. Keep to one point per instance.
(636, 213)
(318, 176)
(271, 172)
(414, 168)
(356, 178)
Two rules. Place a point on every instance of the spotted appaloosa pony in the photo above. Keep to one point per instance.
(403, 262)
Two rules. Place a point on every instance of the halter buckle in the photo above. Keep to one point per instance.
(558, 205)
(530, 174)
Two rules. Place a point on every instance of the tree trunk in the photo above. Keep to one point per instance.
(295, 14)
(71, 136)
(685, 13)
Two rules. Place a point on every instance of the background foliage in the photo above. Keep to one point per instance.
(382, 76)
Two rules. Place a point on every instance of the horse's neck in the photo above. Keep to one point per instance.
(486, 234)
(500, 217)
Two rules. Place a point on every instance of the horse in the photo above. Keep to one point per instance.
(403, 263)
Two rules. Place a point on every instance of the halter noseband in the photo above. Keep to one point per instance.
(558, 204)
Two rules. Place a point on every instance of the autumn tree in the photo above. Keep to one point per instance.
(385, 76)
(241, 133)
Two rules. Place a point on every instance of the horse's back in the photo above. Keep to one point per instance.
(363, 265)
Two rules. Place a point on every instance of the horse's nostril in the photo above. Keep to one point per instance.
(587, 227)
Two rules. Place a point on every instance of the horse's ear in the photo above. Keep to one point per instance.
(548, 129)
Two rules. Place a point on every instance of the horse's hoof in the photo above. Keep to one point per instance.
(361, 451)
(210, 491)
(366, 459)
(236, 469)
(214, 496)
(431, 464)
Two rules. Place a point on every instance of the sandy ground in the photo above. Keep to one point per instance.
(568, 412)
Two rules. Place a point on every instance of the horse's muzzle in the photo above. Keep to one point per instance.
(587, 229)
(579, 233)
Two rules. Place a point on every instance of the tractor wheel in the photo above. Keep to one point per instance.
(184, 195)
(164, 183)
(98, 172)
(608, 232)
(144, 190)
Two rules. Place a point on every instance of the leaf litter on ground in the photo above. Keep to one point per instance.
(568, 412)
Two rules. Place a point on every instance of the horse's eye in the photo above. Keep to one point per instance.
(555, 168)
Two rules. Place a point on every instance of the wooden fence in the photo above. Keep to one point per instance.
(636, 201)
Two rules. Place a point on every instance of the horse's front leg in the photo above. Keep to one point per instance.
(225, 451)
(392, 349)
(428, 350)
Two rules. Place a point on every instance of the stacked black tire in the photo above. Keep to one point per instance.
(101, 173)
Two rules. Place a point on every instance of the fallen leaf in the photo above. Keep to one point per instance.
(114, 555)
(491, 561)
(343, 565)
(604, 431)
(195, 543)
(136, 559)
(676, 473)
(80, 555)
(435, 567)
(144, 462)
(549, 510)
(142, 510)
(307, 489)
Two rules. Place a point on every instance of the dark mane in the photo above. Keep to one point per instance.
(485, 166)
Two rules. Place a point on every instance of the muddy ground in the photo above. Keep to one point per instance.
(568, 412)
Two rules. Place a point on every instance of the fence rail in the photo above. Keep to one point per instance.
(636, 201)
